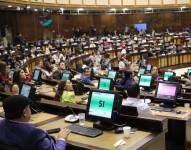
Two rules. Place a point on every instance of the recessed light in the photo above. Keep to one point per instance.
(10, 6)
(35, 9)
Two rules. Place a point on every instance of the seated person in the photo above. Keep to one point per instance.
(21, 77)
(127, 80)
(16, 131)
(65, 92)
(14, 89)
(58, 73)
(155, 74)
(85, 77)
(134, 100)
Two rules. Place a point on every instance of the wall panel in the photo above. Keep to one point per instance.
(76, 2)
(63, 1)
(89, 2)
(167, 2)
(102, 2)
(128, 2)
(142, 2)
(183, 1)
(155, 2)
(115, 2)
(49, 1)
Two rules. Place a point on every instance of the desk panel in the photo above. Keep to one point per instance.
(139, 140)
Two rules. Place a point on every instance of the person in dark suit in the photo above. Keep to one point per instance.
(58, 73)
(18, 133)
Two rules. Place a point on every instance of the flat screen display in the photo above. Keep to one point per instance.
(65, 76)
(166, 91)
(101, 104)
(141, 71)
(145, 80)
(112, 74)
(140, 26)
(104, 84)
(25, 90)
(36, 74)
(168, 75)
(189, 72)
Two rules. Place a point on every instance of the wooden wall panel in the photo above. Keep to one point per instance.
(128, 2)
(49, 1)
(155, 2)
(167, 2)
(37, 1)
(76, 2)
(63, 1)
(102, 2)
(183, 1)
(28, 23)
(115, 2)
(142, 2)
(89, 2)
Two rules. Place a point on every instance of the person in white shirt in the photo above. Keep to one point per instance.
(134, 100)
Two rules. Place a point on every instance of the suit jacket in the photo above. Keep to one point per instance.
(25, 136)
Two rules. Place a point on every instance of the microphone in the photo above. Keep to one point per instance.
(71, 118)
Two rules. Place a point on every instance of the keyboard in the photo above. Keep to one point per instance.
(158, 108)
(86, 131)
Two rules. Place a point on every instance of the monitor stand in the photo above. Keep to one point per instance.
(103, 125)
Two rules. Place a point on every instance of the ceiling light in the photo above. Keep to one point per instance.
(10, 6)
(35, 9)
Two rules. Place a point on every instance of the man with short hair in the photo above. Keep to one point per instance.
(15, 131)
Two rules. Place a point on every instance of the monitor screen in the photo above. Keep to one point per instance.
(112, 74)
(65, 76)
(141, 71)
(145, 80)
(25, 90)
(104, 84)
(167, 75)
(189, 72)
(166, 91)
(101, 105)
(149, 67)
(140, 26)
(36, 74)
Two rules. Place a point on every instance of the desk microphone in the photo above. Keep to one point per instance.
(71, 118)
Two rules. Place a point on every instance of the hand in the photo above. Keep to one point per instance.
(64, 133)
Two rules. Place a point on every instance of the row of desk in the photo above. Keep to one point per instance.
(142, 140)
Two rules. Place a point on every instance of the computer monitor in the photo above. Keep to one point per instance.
(101, 105)
(189, 72)
(26, 90)
(112, 74)
(145, 80)
(65, 76)
(141, 71)
(105, 84)
(166, 92)
(37, 75)
(140, 26)
(149, 67)
(167, 75)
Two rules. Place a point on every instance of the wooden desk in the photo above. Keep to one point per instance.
(140, 140)
(43, 118)
(179, 130)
